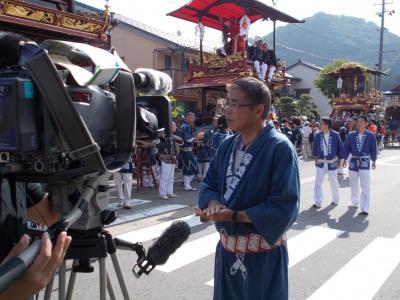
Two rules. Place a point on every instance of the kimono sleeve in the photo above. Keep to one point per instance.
(339, 145)
(209, 188)
(273, 217)
(346, 147)
(373, 150)
(315, 146)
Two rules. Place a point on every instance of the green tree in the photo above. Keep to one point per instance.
(307, 107)
(286, 107)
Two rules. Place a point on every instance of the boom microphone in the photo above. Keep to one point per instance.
(152, 82)
(158, 253)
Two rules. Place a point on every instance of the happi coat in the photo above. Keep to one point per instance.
(362, 150)
(267, 187)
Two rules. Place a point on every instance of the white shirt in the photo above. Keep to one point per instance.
(306, 130)
(325, 145)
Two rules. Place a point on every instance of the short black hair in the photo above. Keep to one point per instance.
(10, 49)
(327, 121)
(257, 91)
(285, 120)
(276, 122)
(296, 121)
(364, 118)
(222, 122)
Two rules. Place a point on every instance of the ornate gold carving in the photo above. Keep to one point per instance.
(30, 13)
(81, 25)
(198, 74)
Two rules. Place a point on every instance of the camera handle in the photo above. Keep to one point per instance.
(17, 265)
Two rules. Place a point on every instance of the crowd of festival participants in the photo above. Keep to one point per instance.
(187, 149)
(190, 148)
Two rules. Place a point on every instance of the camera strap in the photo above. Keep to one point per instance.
(70, 124)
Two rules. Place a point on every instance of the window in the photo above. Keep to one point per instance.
(168, 62)
(300, 92)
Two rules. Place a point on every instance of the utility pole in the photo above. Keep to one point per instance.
(381, 45)
(380, 62)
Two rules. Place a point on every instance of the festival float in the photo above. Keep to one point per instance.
(231, 62)
(55, 19)
(356, 95)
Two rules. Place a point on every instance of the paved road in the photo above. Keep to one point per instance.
(334, 252)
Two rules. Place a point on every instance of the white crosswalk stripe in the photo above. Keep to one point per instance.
(306, 243)
(362, 276)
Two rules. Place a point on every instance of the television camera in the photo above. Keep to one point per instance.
(70, 117)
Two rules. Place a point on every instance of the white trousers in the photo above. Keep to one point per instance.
(261, 70)
(271, 71)
(123, 182)
(360, 179)
(203, 169)
(187, 179)
(319, 179)
(166, 186)
(306, 148)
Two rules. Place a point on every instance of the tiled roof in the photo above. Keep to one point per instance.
(304, 63)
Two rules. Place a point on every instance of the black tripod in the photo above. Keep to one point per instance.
(93, 244)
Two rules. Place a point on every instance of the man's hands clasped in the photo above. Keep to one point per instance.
(215, 212)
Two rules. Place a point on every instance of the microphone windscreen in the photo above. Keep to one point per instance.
(172, 238)
(157, 84)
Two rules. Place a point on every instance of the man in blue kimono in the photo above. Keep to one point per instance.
(217, 135)
(186, 151)
(362, 146)
(327, 150)
(252, 192)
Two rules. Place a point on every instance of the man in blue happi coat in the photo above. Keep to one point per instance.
(252, 192)
(327, 150)
(187, 156)
(218, 134)
(361, 144)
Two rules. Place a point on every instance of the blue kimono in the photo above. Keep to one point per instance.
(266, 185)
(216, 137)
(362, 150)
(335, 149)
(186, 155)
(202, 151)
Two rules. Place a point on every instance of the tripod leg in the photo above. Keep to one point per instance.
(49, 288)
(103, 278)
(61, 280)
(120, 277)
(110, 288)
(71, 282)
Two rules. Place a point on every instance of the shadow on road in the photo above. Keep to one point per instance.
(349, 222)
(344, 182)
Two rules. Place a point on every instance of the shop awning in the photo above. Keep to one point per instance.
(212, 12)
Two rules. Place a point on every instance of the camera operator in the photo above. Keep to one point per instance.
(21, 201)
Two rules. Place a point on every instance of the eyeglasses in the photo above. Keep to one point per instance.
(234, 105)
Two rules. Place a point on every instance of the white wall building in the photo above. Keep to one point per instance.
(304, 75)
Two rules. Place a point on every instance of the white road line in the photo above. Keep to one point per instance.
(191, 252)
(132, 202)
(310, 241)
(152, 232)
(307, 180)
(145, 213)
(306, 243)
(389, 165)
(362, 277)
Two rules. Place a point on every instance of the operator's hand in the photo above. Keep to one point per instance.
(373, 165)
(42, 269)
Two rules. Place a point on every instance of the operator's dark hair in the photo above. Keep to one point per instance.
(10, 49)
(327, 121)
(257, 91)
